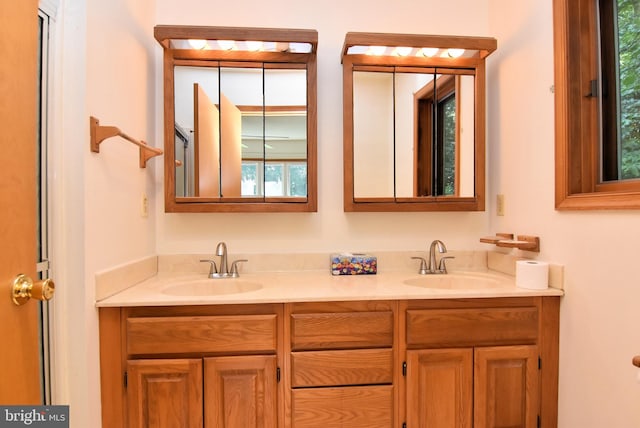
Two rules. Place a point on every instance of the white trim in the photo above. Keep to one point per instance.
(49, 7)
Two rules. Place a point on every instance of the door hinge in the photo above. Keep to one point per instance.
(278, 374)
(404, 425)
(404, 368)
(538, 423)
(126, 379)
(539, 363)
(42, 266)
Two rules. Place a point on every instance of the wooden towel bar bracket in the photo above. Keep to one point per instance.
(100, 133)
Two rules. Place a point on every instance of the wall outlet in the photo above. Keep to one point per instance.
(500, 205)
(144, 207)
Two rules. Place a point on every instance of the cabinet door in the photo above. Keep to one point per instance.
(506, 387)
(440, 388)
(165, 393)
(241, 392)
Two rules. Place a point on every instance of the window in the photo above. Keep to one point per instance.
(280, 178)
(597, 88)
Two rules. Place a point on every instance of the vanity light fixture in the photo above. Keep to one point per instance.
(448, 48)
(244, 40)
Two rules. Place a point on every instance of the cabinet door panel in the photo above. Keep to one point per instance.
(165, 393)
(506, 387)
(439, 388)
(240, 392)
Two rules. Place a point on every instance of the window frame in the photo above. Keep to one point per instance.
(577, 169)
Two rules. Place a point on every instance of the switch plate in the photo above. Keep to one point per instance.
(500, 205)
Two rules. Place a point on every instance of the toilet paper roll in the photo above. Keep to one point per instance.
(532, 274)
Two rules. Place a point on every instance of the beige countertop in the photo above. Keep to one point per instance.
(171, 288)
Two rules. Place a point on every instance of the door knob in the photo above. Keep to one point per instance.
(24, 288)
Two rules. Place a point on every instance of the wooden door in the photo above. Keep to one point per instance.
(165, 393)
(240, 392)
(506, 387)
(19, 359)
(440, 388)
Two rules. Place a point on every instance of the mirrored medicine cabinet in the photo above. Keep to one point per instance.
(414, 122)
(240, 123)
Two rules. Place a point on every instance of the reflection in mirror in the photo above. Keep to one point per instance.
(240, 122)
(414, 122)
(403, 119)
(258, 133)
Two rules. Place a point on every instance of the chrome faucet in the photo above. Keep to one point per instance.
(432, 266)
(223, 271)
(221, 250)
(432, 254)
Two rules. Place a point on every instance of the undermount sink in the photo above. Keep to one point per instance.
(466, 281)
(212, 287)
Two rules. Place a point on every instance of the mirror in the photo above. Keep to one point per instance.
(414, 122)
(240, 122)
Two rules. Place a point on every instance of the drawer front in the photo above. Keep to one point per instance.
(353, 407)
(471, 327)
(334, 368)
(202, 334)
(341, 330)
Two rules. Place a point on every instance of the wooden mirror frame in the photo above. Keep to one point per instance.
(483, 46)
(164, 34)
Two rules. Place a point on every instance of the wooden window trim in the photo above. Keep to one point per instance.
(576, 132)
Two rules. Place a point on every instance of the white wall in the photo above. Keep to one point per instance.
(599, 314)
(105, 67)
(101, 193)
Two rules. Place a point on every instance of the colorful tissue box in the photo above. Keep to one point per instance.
(353, 264)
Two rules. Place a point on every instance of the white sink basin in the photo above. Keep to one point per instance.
(458, 281)
(212, 287)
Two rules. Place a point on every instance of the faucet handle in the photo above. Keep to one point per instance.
(423, 265)
(213, 269)
(234, 267)
(442, 266)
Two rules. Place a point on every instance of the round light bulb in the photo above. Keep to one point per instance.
(455, 53)
(197, 43)
(226, 45)
(377, 50)
(403, 50)
(254, 46)
(429, 52)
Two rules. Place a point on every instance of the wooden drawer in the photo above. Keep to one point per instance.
(334, 368)
(353, 407)
(471, 327)
(201, 334)
(341, 330)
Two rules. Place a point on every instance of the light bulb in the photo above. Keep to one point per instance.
(429, 52)
(455, 53)
(226, 45)
(254, 45)
(403, 50)
(197, 43)
(377, 50)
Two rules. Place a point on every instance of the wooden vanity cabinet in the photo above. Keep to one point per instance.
(341, 362)
(478, 362)
(191, 366)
